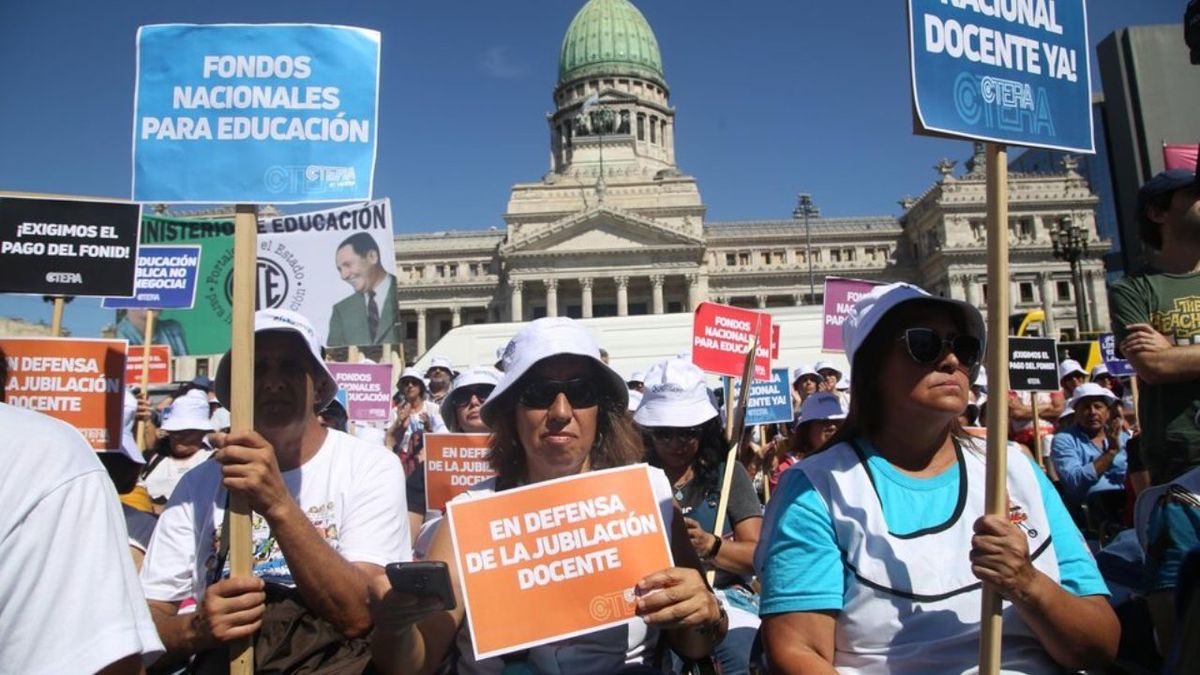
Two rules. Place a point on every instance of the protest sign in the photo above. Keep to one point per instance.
(840, 296)
(297, 270)
(768, 402)
(165, 279)
(255, 113)
(368, 389)
(67, 247)
(572, 548)
(1117, 366)
(1032, 364)
(160, 365)
(453, 463)
(1180, 156)
(78, 381)
(1008, 72)
(721, 335)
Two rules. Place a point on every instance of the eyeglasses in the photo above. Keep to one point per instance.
(541, 394)
(463, 396)
(925, 346)
(667, 434)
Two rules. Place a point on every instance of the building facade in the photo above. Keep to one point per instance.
(616, 228)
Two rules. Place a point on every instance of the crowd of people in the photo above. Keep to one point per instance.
(853, 538)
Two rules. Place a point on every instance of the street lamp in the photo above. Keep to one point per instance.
(1071, 244)
(806, 209)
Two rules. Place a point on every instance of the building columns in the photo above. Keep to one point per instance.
(693, 291)
(586, 286)
(622, 295)
(455, 316)
(656, 285)
(1098, 305)
(760, 301)
(969, 290)
(552, 297)
(515, 302)
(420, 331)
(1046, 288)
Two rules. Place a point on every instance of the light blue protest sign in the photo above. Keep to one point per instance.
(1006, 71)
(769, 401)
(165, 278)
(250, 114)
(1116, 365)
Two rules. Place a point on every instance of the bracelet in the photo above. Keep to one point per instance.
(715, 549)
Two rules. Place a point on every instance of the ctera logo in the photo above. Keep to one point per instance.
(271, 285)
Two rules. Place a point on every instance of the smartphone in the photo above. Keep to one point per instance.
(423, 578)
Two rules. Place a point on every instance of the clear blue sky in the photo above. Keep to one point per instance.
(773, 97)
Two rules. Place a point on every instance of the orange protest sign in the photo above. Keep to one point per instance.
(160, 365)
(453, 463)
(571, 550)
(80, 382)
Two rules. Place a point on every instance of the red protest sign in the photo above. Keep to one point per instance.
(572, 549)
(721, 334)
(453, 463)
(80, 382)
(160, 365)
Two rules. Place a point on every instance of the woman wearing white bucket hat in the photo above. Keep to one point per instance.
(820, 418)
(557, 411)
(187, 424)
(684, 439)
(874, 549)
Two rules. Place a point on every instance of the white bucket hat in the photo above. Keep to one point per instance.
(541, 339)
(821, 406)
(284, 321)
(981, 379)
(1070, 367)
(411, 373)
(637, 376)
(635, 400)
(1101, 370)
(469, 378)
(1091, 390)
(826, 365)
(803, 370)
(843, 384)
(441, 362)
(189, 411)
(676, 395)
(880, 300)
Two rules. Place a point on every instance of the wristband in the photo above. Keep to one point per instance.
(716, 548)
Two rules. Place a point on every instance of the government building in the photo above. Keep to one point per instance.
(616, 228)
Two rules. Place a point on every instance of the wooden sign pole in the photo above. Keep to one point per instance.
(996, 494)
(147, 337)
(57, 316)
(1037, 431)
(241, 404)
(734, 434)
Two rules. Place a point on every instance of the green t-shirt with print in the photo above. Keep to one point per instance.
(1170, 429)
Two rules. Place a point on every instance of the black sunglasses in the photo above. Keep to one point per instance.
(925, 346)
(541, 394)
(463, 395)
(667, 434)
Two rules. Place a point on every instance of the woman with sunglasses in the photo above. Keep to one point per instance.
(684, 439)
(557, 411)
(873, 549)
(821, 416)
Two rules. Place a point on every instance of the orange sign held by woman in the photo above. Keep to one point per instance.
(453, 463)
(568, 551)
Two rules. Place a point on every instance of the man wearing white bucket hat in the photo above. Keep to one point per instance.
(1089, 455)
(873, 549)
(440, 375)
(328, 514)
(187, 425)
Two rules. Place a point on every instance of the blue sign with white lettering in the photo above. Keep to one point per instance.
(1005, 71)
(165, 279)
(1117, 366)
(251, 114)
(768, 402)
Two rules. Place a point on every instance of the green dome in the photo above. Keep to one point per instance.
(610, 37)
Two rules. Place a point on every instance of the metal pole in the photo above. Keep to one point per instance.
(812, 296)
(1080, 305)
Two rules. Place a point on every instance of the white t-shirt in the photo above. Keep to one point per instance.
(352, 492)
(166, 474)
(69, 596)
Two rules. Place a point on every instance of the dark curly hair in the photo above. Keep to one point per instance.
(713, 450)
(617, 443)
